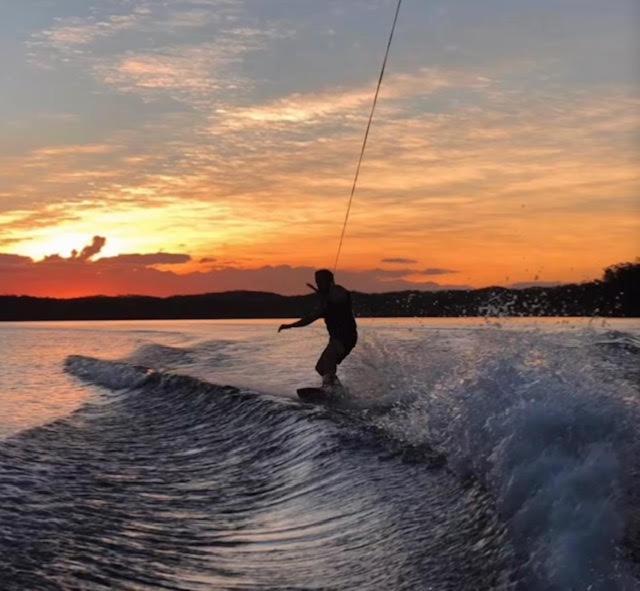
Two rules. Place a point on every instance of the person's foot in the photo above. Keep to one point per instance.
(332, 386)
(329, 380)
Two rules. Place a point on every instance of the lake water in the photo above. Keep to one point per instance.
(469, 454)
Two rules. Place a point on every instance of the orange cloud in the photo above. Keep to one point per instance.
(139, 274)
(527, 184)
(318, 106)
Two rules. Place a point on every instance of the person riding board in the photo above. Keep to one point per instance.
(335, 308)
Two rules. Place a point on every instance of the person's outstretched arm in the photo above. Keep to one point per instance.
(304, 321)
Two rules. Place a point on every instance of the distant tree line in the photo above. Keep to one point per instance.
(616, 295)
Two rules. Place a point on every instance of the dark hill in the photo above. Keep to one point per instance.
(618, 294)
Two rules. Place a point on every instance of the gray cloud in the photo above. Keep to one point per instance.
(400, 260)
(407, 271)
(146, 260)
(436, 271)
(92, 249)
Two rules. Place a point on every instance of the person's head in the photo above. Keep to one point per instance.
(324, 280)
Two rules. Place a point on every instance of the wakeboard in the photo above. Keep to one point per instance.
(314, 395)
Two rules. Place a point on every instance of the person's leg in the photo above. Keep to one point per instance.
(346, 348)
(328, 363)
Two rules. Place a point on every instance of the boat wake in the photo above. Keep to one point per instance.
(165, 480)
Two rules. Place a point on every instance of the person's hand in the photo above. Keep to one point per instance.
(283, 327)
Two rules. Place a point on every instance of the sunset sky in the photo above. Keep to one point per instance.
(185, 146)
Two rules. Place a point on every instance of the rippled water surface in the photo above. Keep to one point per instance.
(469, 454)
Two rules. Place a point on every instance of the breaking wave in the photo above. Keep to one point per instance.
(550, 431)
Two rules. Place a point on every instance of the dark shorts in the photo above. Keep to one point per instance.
(347, 345)
(334, 354)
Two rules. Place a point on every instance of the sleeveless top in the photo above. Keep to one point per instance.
(338, 316)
